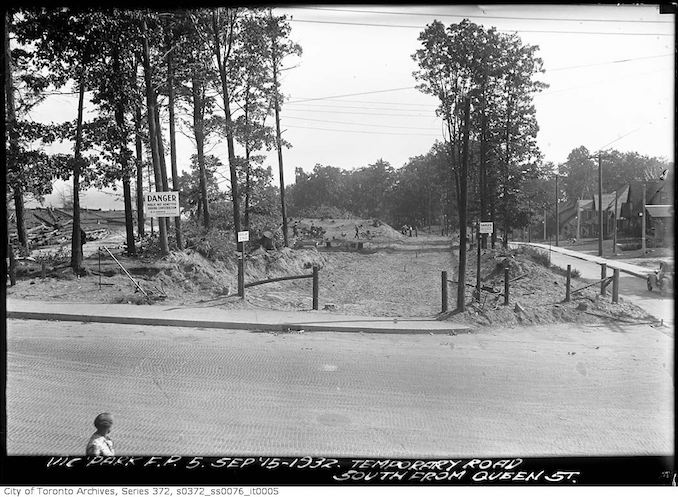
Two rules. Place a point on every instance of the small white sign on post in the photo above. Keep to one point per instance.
(161, 204)
(486, 227)
(243, 236)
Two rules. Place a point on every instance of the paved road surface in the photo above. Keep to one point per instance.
(594, 390)
(631, 288)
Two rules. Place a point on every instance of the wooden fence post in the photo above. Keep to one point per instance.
(241, 275)
(603, 275)
(568, 283)
(506, 286)
(615, 286)
(315, 288)
(443, 288)
(12, 267)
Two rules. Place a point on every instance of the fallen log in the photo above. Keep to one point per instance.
(45, 221)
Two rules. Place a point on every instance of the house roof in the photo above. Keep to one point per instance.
(608, 200)
(585, 205)
(660, 210)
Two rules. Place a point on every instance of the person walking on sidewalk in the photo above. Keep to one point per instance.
(100, 443)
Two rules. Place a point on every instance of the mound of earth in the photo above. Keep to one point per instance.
(536, 294)
(338, 229)
(181, 277)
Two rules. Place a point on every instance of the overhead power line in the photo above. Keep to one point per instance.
(620, 61)
(384, 114)
(364, 132)
(652, 122)
(356, 124)
(390, 106)
(544, 31)
(439, 14)
(549, 90)
(399, 104)
(353, 94)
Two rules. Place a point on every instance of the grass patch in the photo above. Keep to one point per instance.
(543, 258)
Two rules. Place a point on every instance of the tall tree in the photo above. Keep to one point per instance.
(151, 103)
(114, 84)
(278, 30)
(65, 42)
(171, 44)
(219, 29)
(444, 73)
(13, 135)
(252, 90)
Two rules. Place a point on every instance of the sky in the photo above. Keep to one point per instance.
(351, 98)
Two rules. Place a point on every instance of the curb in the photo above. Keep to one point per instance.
(226, 325)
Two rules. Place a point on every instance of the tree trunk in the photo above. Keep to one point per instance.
(18, 195)
(199, 132)
(141, 230)
(484, 196)
(153, 135)
(173, 144)
(76, 241)
(127, 198)
(150, 183)
(463, 180)
(221, 63)
(161, 155)
(248, 184)
(126, 190)
(506, 174)
(13, 142)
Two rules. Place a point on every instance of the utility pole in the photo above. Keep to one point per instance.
(600, 205)
(544, 223)
(642, 222)
(614, 232)
(557, 215)
(529, 224)
(578, 219)
(478, 264)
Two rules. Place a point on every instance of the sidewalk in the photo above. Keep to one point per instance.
(632, 269)
(211, 317)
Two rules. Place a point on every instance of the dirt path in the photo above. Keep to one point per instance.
(400, 278)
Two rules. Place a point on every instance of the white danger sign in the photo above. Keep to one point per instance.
(486, 227)
(162, 204)
(243, 236)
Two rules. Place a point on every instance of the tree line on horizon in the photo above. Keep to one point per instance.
(415, 194)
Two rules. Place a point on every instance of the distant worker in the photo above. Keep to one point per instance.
(295, 229)
(410, 230)
(100, 443)
(357, 233)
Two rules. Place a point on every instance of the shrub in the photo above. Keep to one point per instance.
(539, 256)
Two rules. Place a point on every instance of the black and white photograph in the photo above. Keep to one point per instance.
(330, 244)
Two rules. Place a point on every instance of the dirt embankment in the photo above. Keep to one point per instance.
(536, 294)
(395, 276)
